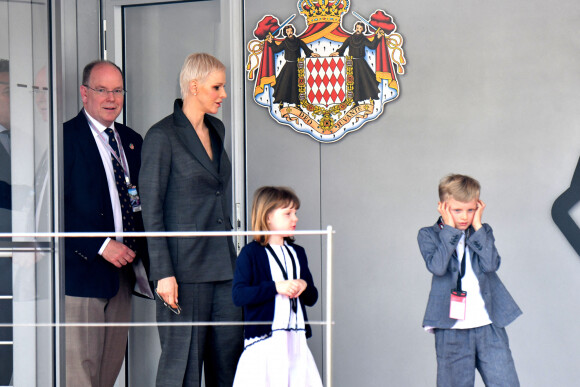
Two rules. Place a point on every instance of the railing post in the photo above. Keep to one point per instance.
(328, 319)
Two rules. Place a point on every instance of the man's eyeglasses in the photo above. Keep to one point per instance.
(174, 310)
(104, 92)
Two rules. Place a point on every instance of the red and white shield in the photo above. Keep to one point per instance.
(325, 80)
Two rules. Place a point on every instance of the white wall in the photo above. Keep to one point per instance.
(491, 90)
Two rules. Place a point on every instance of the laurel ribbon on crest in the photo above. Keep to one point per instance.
(256, 48)
(394, 42)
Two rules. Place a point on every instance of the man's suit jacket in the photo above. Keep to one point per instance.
(183, 190)
(438, 247)
(87, 208)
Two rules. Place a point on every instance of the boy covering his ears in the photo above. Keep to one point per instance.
(468, 307)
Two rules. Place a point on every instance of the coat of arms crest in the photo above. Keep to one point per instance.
(326, 82)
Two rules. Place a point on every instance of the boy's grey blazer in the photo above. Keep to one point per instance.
(438, 247)
(182, 189)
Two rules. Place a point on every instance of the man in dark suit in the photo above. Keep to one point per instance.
(101, 169)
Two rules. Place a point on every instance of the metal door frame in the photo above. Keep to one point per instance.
(112, 45)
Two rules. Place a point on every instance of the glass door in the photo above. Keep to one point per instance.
(26, 297)
(150, 40)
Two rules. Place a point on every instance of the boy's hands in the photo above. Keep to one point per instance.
(462, 215)
(478, 213)
(445, 211)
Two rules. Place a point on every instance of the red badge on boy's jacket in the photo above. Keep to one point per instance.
(458, 305)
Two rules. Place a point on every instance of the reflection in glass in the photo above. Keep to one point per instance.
(5, 225)
(5, 191)
(25, 193)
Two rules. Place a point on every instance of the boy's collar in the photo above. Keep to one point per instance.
(440, 224)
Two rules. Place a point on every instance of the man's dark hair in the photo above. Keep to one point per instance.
(289, 26)
(361, 24)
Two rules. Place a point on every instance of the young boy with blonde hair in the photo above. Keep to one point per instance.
(468, 307)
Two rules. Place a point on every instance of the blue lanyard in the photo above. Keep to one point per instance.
(284, 273)
(461, 273)
(121, 159)
(293, 302)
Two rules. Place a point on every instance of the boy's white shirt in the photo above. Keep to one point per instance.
(475, 314)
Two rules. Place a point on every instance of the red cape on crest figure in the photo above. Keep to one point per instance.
(326, 82)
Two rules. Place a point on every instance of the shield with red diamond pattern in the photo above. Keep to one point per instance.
(325, 81)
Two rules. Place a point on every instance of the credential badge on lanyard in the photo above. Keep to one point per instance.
(458, 303)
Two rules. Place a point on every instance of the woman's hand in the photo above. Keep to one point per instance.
(167, 290)
(291, 288)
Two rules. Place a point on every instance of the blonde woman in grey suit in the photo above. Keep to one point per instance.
(185, 175)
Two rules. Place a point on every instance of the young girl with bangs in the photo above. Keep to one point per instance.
(272, 283)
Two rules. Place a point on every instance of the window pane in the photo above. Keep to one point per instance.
(25, 194)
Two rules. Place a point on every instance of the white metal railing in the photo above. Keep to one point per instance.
(325, 322)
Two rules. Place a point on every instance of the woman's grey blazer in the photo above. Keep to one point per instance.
(182, 189)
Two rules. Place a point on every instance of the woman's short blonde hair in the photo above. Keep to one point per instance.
(459, 187)
(266, 200)
(197, 66)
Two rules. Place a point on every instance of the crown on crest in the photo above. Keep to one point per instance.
(328, 11)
